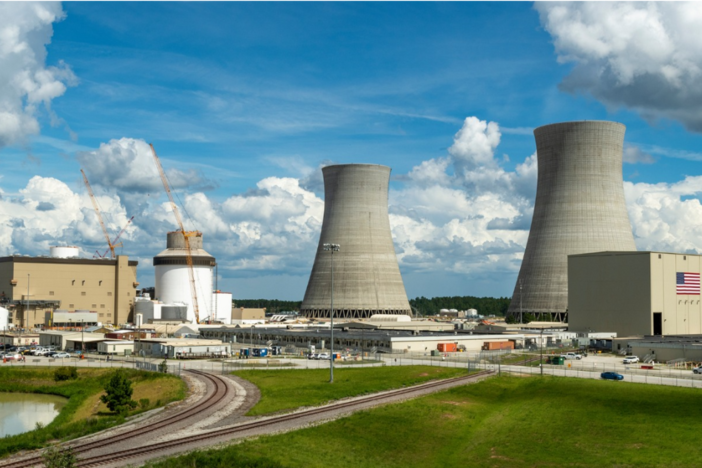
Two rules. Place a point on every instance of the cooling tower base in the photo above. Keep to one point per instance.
(541, 316)
(351, 313)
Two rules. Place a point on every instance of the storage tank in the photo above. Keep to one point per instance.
(367, 279)
(146, 309)
(173, 276)
(64, 252)
(579, 208)
(222, 304)
(174, 312)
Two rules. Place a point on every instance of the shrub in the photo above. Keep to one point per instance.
(56, 457)
(144, 403)
(118, 394)
(65, 373)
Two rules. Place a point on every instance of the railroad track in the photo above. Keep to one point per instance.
(233, 431)
(218, 395)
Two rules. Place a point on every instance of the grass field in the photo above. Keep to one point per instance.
(84, 413)
(500, 422)
(283, 390)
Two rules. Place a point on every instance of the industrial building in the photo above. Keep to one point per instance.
(31, 287)
(367, 278)
(635, 293)
(579, 208)
(173, 282)
(247, 316)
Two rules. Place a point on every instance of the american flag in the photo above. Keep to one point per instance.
(688, 283)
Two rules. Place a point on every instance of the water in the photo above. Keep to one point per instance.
(20, 412)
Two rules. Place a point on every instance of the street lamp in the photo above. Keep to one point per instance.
(541, 347)
(331, 248)
(82, 342)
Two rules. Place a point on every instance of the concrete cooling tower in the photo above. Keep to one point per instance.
(367, 279)
(173, 278)
(579, 208)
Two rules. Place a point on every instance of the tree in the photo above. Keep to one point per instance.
(56, 457)
(118, 394)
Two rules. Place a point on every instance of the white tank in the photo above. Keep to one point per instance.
(443, 311)
(4, 318)
(173, 276)
(64, 252)
(222, 304)
(472, 312)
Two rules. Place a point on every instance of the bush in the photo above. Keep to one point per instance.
(144, 403)
(118, 394)
(56, 457)
(65, 373)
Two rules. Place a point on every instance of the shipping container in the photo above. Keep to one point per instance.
(447, 347)
(496, 345)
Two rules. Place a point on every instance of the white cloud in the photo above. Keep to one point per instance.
(635, 155)
(25, 81)
(128, 165)
(642, 55)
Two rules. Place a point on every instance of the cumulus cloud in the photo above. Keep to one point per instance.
(645, 56)
(128, 165)
(27, 84)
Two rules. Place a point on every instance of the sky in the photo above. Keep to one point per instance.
(245, 102)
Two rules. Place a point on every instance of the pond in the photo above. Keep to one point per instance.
(20, 412)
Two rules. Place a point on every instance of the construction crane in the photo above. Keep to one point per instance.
(99, 215)
(186, 235)
(117, 238)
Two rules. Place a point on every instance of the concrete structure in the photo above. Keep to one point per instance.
(105, 286)
(684, 349)
(222, 307)
(17, 339)
(67, 318)
(367, 278)
(579, 208)
(174, 348)
(633, 293)
(67, 339)
(246, 316)
(121, 348)
(173, 276)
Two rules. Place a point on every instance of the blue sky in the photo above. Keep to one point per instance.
(245, 101)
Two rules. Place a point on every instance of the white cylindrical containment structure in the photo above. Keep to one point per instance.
(173, 276)
(579, 208)
(367, 279)
(222, 305)
(64, 252)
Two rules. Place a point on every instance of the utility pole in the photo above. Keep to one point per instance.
(331, 248)
(521, 316)
(541, 359)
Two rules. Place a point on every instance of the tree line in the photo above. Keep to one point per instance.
(484, 305)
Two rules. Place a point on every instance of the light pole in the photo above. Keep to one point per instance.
(331, 248)
(82, 342)
(541, 347)
(521, 316)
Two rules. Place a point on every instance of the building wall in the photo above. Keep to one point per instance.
(242, 313)
(682, 314)
(610, 292)
(105, 286)
(621, 291)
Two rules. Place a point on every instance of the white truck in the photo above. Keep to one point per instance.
(572, 356)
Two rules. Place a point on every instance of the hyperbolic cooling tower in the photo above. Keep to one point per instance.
(173, 276)
(579, 208)
(367, 278)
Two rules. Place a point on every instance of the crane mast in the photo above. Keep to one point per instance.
(186, 235)
(99, 215)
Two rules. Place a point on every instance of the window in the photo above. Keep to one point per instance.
(128, 294)
(71, 306)
(94, 306)
(83, 283)
(82, 293)
(51, 293)
(102, 306)
(109, 293)
(100, 283)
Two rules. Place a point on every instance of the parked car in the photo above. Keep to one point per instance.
(611, 376)
(697, 370)
(13, 357)
(61, 355)
(631, 360)
(572, 356)
(311, 356)
(323, 356)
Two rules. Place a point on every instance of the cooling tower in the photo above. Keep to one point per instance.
(367, 278)
(579, 208)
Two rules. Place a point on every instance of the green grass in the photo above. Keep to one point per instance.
(88, 386)
(500, 422)
(284, 390)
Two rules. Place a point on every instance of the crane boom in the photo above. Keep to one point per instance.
(186, 235)
(114, 242)
(99, 215)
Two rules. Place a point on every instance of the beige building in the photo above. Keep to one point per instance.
(634, 293)
(242, 315)
(32, 286)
